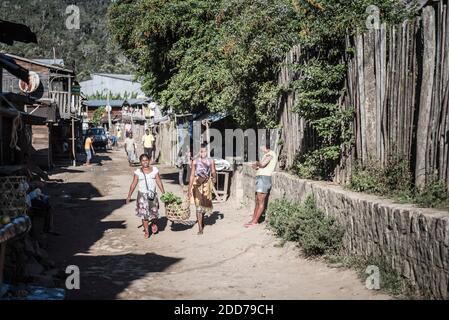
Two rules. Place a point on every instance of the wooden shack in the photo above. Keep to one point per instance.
(54, 97)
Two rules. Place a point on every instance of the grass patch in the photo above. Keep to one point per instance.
(390, 281)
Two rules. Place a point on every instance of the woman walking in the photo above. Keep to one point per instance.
(202, 177)
(147, 202)
(130, 148)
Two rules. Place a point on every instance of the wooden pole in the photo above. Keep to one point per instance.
(50, 151)
(73, 142)
(425, 105)
(208, 138)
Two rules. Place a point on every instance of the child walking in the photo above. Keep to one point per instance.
(147, 208)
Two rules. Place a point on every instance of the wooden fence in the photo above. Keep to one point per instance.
(398, 83)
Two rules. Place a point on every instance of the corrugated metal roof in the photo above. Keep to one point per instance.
(116, 103)
(39, 63)
(102, 103)
(57, 62)
(125, 77)
(134, 102)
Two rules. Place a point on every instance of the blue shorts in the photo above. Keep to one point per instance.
(89, 154)
(263, 184)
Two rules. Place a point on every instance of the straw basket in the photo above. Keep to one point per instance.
(178, 212)
(12, 196)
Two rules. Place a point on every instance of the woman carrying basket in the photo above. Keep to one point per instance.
(147, 202)
(202, 177)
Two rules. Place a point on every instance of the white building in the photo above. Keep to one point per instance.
(102, 83)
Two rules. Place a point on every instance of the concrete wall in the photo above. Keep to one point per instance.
(414, 241)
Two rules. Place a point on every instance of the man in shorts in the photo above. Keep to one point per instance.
(265, 169)
(89, 149)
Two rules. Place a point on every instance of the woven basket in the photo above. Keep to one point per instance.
(176, 212)
(12, 196)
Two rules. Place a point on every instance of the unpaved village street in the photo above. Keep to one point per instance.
(100, 234)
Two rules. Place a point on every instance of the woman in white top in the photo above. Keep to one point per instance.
(147, 202)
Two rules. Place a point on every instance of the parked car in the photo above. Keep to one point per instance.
(100, 137)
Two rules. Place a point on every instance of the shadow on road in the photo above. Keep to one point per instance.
(64, 170)
(186, 225)
(212, 219)
(72, 192)
(172, 178)
(80, 212)
(182, 225)
(105, 277)
(162, 224)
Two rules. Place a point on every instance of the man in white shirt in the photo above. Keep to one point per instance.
(148, 140)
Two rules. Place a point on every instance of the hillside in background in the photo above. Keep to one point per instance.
(86, 50)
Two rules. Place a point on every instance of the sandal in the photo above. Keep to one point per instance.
(146, 235)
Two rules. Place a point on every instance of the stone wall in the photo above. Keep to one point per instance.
(414, 241)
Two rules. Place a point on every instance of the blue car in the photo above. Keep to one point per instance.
(100, 138)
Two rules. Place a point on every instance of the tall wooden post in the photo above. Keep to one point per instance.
(208, 138)
(425, 104)
(50, 151)
(73, 142)
(72, 115)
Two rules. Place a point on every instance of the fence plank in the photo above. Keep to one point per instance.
(388, 88)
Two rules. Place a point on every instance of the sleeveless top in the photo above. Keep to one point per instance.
(202, 167)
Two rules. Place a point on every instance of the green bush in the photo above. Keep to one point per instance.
(305, 224)
(279, 215)
(393, 179)
(318, 164)
(433, 195)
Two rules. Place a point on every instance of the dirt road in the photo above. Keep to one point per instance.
(100, 235)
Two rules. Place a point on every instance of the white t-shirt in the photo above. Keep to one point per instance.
(151, 180)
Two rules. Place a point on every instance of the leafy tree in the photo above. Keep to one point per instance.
(225, 56)
(98, 114)
(104, 96)
(221, 56)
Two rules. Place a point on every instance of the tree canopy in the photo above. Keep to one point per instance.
(224, 56)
